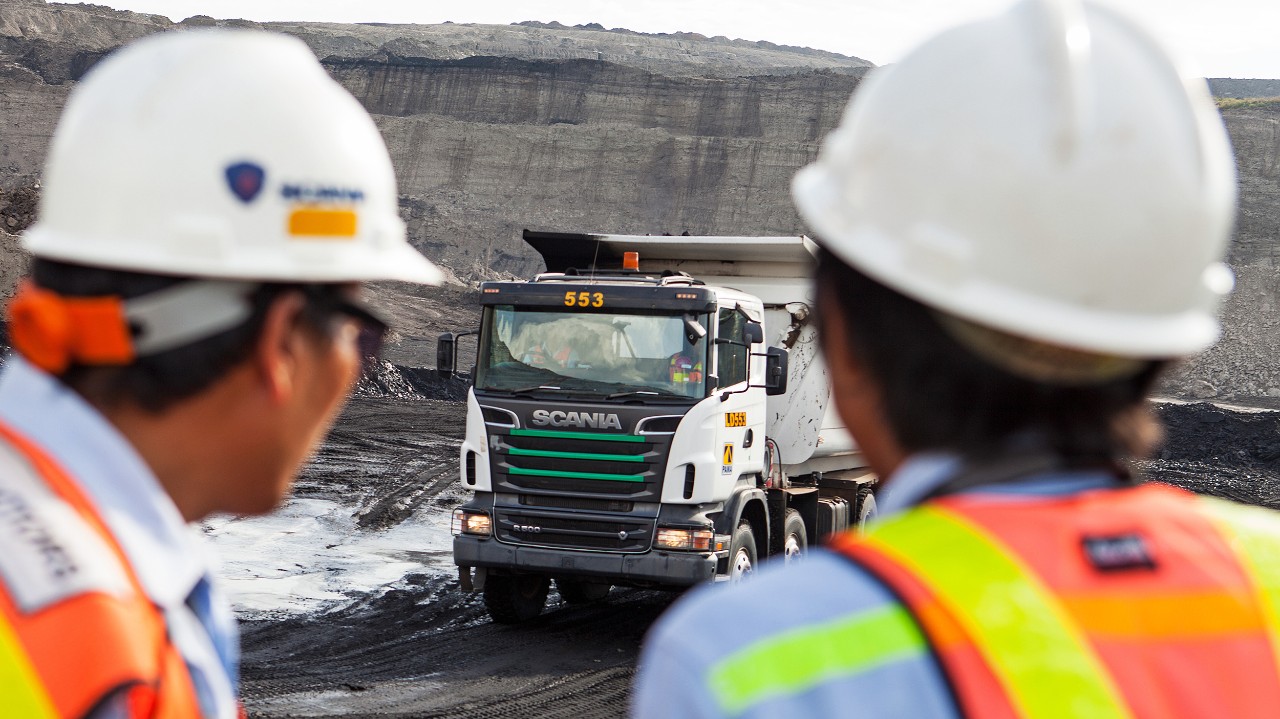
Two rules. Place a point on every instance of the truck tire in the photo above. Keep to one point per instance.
(582, 591)
(742, 552)
(866, 509)
(515, 598)
(795, 540)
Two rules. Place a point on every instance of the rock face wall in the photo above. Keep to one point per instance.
(493, 129)
(590, 146)
(1245, 364)
(496, 128)
(1255, 136)
(1231, 87)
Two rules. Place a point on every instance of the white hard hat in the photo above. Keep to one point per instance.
(1048, 172)
(222, 154)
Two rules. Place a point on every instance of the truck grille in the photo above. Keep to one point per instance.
(574, 531)
(580, 463)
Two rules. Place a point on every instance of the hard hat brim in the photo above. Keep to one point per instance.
(882, 257)
(397, 261)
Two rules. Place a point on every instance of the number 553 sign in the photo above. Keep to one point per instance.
(584, 299)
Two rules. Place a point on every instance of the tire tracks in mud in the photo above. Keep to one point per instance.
(384, 511)
(424, 647)
(429, 650)
(605, 690)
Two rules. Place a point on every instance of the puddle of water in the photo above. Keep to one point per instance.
(310, 554)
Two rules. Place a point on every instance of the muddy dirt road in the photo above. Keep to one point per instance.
(420, 646)
(364, 617)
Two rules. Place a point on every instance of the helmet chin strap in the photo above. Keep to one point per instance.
(186, 312)
(1036, 360)
(52, 331)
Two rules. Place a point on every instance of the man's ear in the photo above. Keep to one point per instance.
(276, 353)
(847, 369)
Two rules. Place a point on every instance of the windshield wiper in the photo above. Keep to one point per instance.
(639, 392)
(527, 390)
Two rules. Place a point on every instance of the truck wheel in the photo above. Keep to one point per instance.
(795, 542)
(866, 508)
(742, 554)
(581, 591)
(512, 599)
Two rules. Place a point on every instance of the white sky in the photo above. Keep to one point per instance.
(1221, 38)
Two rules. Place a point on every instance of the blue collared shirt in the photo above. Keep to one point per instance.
(168, 556)
(716, 622)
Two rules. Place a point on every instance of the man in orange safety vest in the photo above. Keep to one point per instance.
(211, 203)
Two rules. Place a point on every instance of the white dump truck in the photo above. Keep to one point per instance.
(650, 411)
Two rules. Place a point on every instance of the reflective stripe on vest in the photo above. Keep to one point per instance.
(1008, 607)
(20, 685)
(793, 662)
(1255, 537)
(77, 642)
(1030, 620)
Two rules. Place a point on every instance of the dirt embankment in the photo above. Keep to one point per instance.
(1220, 452)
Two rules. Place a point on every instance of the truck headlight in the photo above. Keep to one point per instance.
(694, 540)
(477, 523)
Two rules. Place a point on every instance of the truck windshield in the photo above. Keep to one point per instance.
(637, 355)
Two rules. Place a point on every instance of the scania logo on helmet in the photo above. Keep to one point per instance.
(595, 420)
(245, 180)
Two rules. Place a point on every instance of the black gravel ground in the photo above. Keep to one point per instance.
(1227, 453)
(427, 649)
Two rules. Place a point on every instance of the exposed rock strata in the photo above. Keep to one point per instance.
(496, 128)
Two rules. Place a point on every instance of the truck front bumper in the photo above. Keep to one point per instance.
(680, 569)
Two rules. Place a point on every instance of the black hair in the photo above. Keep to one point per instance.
(156, 382)
(938, 395)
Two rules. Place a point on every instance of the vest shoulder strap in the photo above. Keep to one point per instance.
(65, 582)
(1254, 534)
(49, 551)
(1010, 607)
(1103, 589)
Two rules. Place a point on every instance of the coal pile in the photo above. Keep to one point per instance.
(387, 380)
(1221, 452)
(18, 207)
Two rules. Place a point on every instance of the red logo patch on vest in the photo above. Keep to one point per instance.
(1117, 553)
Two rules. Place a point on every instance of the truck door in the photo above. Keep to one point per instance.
(740, 429)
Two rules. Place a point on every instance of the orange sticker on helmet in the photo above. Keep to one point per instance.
(322, 223)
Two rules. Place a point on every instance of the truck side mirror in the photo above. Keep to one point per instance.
(775, 371)
(446, 355)
(753, 333)
(693, 329)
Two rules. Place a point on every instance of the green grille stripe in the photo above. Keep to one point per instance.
(793, 662)
(559, 434)
(575, 475)
(574, 455)
(1254, 534)
(1030, 642)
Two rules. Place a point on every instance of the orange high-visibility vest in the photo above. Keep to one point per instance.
(1136, 603)
(76, 627)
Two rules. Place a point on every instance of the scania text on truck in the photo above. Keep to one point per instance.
(650, 411)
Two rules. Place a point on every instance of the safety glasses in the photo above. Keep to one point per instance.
(373, 329)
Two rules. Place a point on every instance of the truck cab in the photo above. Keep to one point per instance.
(618, 424)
